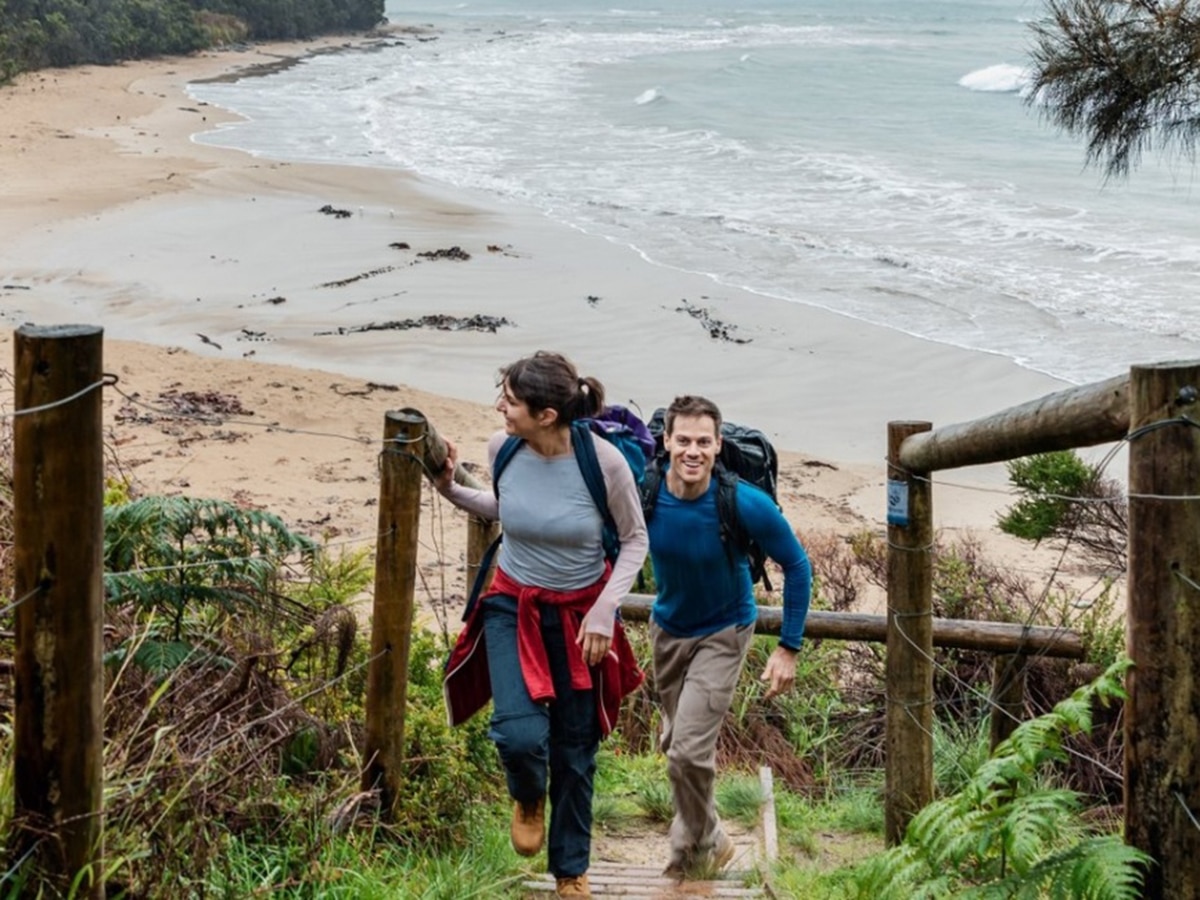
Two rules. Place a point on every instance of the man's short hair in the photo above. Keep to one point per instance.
(692, 405)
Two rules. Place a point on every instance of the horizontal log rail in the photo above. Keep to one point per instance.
(963, 634)
(1083, 416)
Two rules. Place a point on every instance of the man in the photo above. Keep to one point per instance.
(702, 623)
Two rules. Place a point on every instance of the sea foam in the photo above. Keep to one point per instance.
(999, 79)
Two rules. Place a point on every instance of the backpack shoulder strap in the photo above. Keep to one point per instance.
(503, 457)
(649, 489)
(584, 446)
(733, 535)
(589, 465)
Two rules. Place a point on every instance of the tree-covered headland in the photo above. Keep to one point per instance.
(36, 34)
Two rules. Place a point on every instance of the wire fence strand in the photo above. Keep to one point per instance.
(436, 546)
(107, 381)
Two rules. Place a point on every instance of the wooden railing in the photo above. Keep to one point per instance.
(57, 499)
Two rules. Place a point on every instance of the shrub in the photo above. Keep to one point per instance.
(221, 29)
(1046, 481)
(1064, 498)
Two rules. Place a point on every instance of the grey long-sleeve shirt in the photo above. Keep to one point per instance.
(552, 528)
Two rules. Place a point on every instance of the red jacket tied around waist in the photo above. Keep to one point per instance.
(467, 685)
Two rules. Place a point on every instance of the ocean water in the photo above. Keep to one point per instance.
(875, 158)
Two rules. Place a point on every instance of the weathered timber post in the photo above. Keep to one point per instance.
(392, 614)
(909, 765)
(480, 534)
(58, 503)
(1008, 696)
(1162, 714)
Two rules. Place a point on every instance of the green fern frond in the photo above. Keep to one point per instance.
(892, 874)
(1098, 868)
(1006, 834)
(176, 553)
(1034, 823)
(1102, 868)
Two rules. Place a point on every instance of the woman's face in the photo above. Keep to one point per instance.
(518, 420)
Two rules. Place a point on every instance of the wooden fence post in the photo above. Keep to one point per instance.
(909, 764)
(480, 534)
(1008, 696)
(392, 614)
(58, 503)
(1162, 713)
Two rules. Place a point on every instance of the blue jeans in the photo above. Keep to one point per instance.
(544, 744)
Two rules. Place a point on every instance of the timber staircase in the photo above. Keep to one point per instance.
(647, 883)
(637, 881)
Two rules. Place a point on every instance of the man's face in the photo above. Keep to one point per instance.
(692, 446)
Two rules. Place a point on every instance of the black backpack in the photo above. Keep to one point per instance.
(746, 455)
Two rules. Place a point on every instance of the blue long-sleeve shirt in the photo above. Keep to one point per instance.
(699, 592)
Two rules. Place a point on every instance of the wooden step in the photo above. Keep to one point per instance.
(645, 883)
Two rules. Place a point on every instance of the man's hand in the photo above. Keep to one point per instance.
(779, 672)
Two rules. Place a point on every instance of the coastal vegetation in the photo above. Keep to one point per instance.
(235, 680)
(1121, 74)
(1066, 501)
(36, 34)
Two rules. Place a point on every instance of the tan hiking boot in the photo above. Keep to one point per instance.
(722, 852)
(529, 827)
(675, 870)
(573, 886)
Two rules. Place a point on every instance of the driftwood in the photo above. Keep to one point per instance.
(455, 253)
(342, 282)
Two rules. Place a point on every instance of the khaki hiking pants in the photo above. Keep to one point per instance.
(695, 678)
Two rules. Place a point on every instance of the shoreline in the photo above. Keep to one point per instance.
(639, 333)
(177, 243)
(212, 271)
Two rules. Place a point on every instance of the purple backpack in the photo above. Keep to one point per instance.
(622, 428)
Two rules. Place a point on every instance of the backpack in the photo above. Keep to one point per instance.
(620, 427)
(746, 455)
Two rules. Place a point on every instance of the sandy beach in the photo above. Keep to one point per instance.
(215, 272)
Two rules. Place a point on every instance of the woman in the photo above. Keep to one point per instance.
(556, 657)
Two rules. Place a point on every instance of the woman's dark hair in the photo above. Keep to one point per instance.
(549, 380)
(690, 405)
